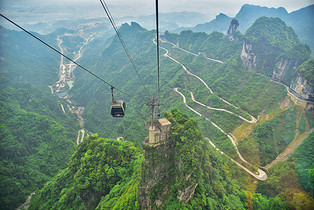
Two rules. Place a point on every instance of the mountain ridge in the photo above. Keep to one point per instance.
(249, 93)
(299, 20)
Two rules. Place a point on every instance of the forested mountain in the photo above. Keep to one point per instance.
(237, 124)
(300, 21)
(102, 172)
(34, 147)
(217, 60)
(105, 174)
(37, 138)
(273, 49)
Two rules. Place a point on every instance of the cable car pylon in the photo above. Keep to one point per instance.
(159, 130)
(153, 102)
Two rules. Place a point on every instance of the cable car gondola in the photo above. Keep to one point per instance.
(117, 107)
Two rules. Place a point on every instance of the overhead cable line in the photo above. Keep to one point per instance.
(106, 9)
(54, 49)
(157, 34)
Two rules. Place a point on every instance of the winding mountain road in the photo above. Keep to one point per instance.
(194, 75)
(224, 110)
(218, 61)
(261, 175)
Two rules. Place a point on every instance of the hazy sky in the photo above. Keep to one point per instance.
(144, 7)
(206, 6)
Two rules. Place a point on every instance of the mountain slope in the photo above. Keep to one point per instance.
(100, 172)
(37, 137)
(24, 59)
(246, 17)
(273, 48)
(104, 173)
(34, 147)
(300, 21)
(220, 24)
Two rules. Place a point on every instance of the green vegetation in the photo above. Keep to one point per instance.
(105, 173)
(273, 42)
(307, 69)
(272, 31)
(264, 203)
(37, 138)
(283, 183)
(304, 164)
(205, 166)
(282, 177)
(102, 173)
(272, 136)
(26, 60)
(33, 147)
(216, 45)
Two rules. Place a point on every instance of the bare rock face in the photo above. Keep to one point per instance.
(248, 56)
(187, 194)
(303, 88)
(158, 161)
(283, 67)
(233, 29)
(157, 176)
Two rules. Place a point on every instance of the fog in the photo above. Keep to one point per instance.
(33, 11)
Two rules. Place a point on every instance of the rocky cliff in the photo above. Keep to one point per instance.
(248, 56)
(233, 29)
(302, 83)
(184, 172)
(301, 86)
(162, 168)
(284, 69)
(272, 48)
(156, 168)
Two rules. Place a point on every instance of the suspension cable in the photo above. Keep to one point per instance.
(54, 49)
(106, 9)
(157, 34)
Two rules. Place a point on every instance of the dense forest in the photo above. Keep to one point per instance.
(104, 173)
(38, 151)
(37, 138)
(307, 69)
(34, 147)
(273, 41)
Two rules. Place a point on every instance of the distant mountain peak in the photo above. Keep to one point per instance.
(134, 25)
(250, 9)
(221, 15)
